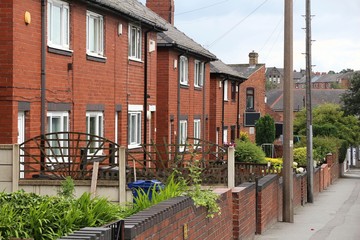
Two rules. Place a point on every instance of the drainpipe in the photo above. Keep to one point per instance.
(145, 93)
(178, 106)
(204, 111)
(43, 81)
(223, 110)
(238, 112)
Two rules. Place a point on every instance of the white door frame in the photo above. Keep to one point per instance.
(21, 138)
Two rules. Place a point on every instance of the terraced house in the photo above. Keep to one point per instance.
(81, 66)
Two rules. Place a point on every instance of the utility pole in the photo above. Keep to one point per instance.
(288, 208)
(309, 133)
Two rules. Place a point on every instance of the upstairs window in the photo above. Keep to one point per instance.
(233, 91)
(199, 73)
(134, 42)
(225, 90)
(250, 99)
(184, 74)
(58, 24)
(94, 34)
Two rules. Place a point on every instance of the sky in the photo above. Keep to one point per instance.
(231, 29)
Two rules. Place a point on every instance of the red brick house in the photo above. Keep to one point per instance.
(183, 82)
(252, 104)
(84, 66)
(224, 103)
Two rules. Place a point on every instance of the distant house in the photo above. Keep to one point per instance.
(275, 75)
(252, 102)
(327, 81)
(318, 96)
(225, 100)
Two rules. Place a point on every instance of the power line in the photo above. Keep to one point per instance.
(237, 24)
(202, 8)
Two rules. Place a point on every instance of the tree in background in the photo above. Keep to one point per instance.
(329, 121)
(265, 130)
(351, 98)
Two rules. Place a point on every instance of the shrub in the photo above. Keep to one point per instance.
(300, 156)
(248, 152)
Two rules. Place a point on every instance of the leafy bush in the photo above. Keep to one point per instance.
(324, 145)
(300, 156)
(27, 215)
(248, 152)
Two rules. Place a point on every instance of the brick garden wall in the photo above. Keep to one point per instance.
(178, 218)
(245, 210)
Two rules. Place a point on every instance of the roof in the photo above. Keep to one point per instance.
(245, 69)
(175, 38)
(133, 9)
(318, 96)
(218, 67)
(170, 38)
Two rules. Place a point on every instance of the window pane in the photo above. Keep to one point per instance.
(66, 26)
(56, 25)
(91, 34)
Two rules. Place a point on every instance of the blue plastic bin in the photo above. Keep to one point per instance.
(146, 185)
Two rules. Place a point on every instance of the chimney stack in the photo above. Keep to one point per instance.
(253, 58)
(164, 8)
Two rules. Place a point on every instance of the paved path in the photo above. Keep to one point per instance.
(334, 215)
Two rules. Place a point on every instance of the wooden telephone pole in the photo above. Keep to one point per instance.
(309, 133)
(288, 208)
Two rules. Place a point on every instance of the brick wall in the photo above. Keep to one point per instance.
(178, 218)
(114, 81)
(267, 202)
(300, 189)
(244, 210)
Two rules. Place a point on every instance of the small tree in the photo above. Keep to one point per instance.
(265, 130)
(351, 98)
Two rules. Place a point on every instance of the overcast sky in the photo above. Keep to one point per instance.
(232, 28)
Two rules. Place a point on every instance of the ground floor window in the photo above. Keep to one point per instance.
(94, 126)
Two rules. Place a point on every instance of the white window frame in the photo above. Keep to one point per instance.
(63, 116)
(64, 24)
(197, 130)
(135, 42)
(199, 75)
(226, 89)
(184, 70)
(98, 34)
(225, 136)
(98, 116)
(183, 134)
(134, 132)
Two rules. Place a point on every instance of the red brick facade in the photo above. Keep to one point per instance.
(71, 78)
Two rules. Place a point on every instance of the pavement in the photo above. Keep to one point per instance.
(334, 215)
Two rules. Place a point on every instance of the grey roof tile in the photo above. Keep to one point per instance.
(245, 69)
(218, 67)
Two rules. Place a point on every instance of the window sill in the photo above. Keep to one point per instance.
(60, 51)
(134, 146)
(198, 88)
(135, 59)
(95, 58)
(184, 85)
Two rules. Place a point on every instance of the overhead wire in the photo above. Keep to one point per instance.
(202, 8)
(237, 24)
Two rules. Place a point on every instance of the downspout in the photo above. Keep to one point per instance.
(145, 93)
(238, 112)
(43, 81)
(223, 110)
(178, 107)
(204, 111)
